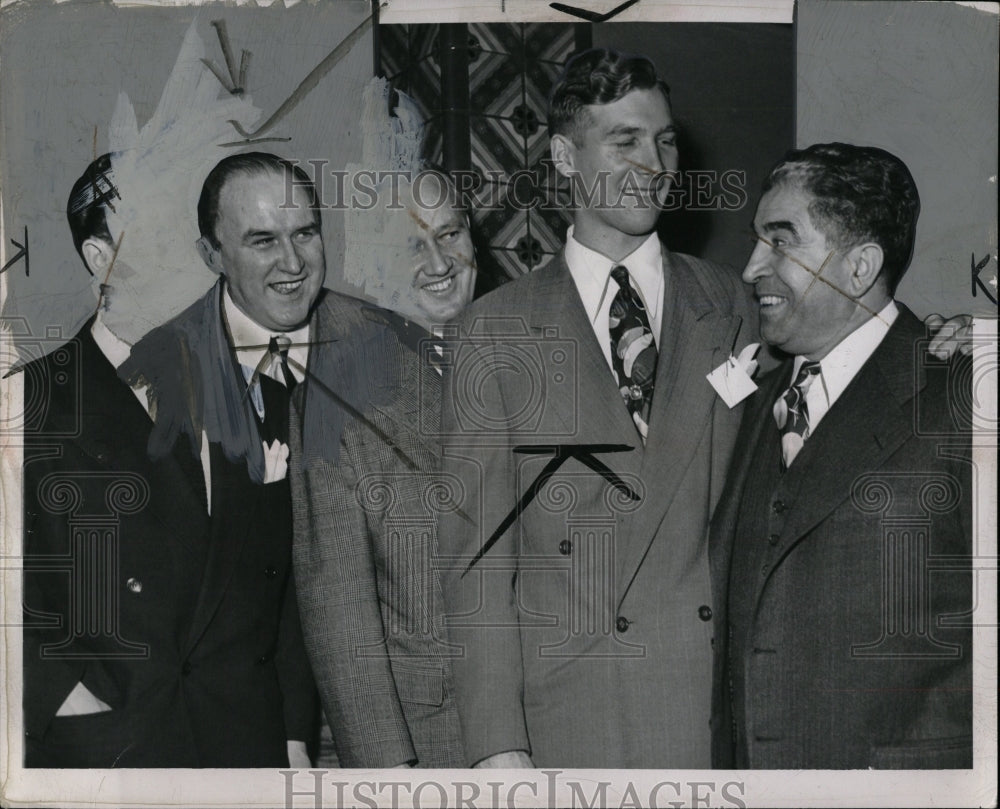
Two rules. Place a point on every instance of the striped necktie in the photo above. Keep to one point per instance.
(633, 350)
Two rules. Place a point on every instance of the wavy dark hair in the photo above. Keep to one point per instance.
(861, 194)
(597, 76)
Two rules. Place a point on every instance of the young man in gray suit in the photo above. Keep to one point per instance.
(843, 638)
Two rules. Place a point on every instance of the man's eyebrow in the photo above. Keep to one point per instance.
(779, 224)
(622, 129)
(255, 234)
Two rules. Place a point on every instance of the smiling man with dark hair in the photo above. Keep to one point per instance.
(836, 645)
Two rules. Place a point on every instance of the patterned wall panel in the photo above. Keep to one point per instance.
(512, 68)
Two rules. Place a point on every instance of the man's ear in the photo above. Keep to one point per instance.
(866, 267)
(98, 255)
(209, 254)
(563, 154)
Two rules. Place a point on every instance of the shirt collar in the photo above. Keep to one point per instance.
(111, 345)
(592, 271)
(842, 364)
(250, 340)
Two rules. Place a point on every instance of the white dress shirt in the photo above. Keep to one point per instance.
(591, 273)
(250, 341)
(842, 364)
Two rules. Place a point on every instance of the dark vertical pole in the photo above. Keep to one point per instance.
(453, 57)
(376, 42)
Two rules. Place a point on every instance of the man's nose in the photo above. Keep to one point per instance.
(290, 259)
(758, 265)
(438, 261)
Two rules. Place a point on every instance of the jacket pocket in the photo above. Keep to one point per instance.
(954, 753)
(420, 684)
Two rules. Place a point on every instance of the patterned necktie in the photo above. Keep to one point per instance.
(792, 414)
(278, 348)
(633, 350)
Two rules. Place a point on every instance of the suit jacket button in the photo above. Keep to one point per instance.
(565, 547)
(270, 572)
(134, 585)
(263, 659)
(622, 623)
(186, 668)
(779, 507)
(774, 539)
(705, 612)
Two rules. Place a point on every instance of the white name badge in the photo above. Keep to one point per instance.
(732, 380)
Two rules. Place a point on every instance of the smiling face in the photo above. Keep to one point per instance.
(427, 258)
(271, 254)
(626, 153)
(808, 291)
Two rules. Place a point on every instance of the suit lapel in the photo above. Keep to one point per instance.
(556, 305)
(114, 431)
(235, 508)
(695, 338)
(865, 426)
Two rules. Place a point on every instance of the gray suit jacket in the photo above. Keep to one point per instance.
(586, 629)
(366, 489)
(852, 646)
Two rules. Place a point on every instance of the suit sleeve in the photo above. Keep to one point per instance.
(294, 673)
(481, 609)
(339, 603)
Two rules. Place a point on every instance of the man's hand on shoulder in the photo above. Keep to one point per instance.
(510, 760)
(951, 335)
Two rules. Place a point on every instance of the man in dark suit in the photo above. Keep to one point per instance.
(841, 547)
(367, 491)
(206, 665)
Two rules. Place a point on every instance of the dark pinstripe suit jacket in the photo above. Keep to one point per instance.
(366, 489)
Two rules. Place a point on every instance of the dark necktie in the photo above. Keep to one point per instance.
(792, 414)
(278, 347)
(633, 350)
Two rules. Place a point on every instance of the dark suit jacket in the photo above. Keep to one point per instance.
(223, 679)
(845, 623)
(167, 615)
(586, 629)
(365, 481)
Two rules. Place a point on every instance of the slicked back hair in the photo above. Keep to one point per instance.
(86, 209)
(252, 164)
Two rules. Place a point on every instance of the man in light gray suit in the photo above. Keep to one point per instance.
(367, 489)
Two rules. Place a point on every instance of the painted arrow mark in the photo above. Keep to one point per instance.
(592, 16)
(560, 453)
(235, 83)
(310, 81)
(976, 280)
(22, 252)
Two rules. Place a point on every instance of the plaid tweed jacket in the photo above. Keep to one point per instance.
(366, 489)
